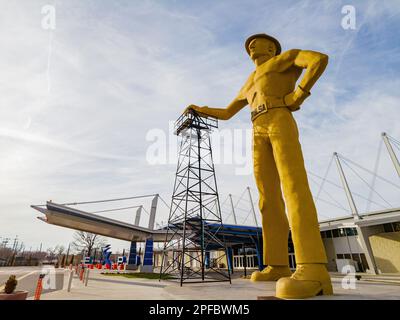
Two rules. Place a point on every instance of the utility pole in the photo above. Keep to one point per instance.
(233, 209)
(392, 155)
(252, 207)
(346, 187)
(15, 243)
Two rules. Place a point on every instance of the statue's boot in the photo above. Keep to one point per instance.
(271, 273)
(309, 280)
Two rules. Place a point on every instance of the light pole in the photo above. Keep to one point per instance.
(66, 258)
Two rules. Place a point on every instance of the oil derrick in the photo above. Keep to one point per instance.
(194, 250)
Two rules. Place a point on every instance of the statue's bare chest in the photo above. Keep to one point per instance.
(268, 82)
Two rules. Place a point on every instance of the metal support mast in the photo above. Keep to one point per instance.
(346, 187)
(195, 215)
(392, 155)
(233, 209)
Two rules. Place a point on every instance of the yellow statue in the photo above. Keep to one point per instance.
(272, 95)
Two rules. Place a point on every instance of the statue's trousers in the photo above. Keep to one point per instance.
(279, 166)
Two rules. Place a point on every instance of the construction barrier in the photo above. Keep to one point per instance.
(39, 287)
(84, 274)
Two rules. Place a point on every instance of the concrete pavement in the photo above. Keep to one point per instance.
(27, 278)
(102, 287)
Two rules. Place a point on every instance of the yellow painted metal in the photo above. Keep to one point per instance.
(271, 273)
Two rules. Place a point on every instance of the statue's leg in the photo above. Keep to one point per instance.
(275, 227)
(311, 276)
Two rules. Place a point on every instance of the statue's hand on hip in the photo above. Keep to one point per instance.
(294, 99)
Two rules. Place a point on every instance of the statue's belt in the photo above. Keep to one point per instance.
(271, 102)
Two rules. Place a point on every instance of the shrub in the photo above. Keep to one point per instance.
(11, 284)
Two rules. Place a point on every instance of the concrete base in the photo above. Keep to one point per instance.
(268, 298)
(146, 269)
(120, 287)
(131, 267)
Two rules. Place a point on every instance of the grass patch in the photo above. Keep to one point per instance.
(141, 275)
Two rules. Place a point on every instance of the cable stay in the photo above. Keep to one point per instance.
(108, 200)
(340, 187)
(366, 183)
(166, 204)
(248, 201)
(322, 215)
(376, 166)
(333, 205)
(243, 209)
(240, 198)
(223, 203)
(324, 179)
(395, 141)
(248, 215)
(396, 146)
(369, 171)
(338, 204)
(144, 209)
(117, 209)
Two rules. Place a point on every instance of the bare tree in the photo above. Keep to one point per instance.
(60, 249)
(51, 253)
(86, 241)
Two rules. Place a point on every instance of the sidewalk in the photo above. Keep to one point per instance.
(390, 278)
(101, 287)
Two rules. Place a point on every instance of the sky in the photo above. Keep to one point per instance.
(87, 93)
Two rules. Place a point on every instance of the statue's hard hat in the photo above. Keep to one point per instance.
(263, 35)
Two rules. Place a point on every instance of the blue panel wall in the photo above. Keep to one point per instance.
(132, 253)
(148, 253)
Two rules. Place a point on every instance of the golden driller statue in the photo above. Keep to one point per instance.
(272, 95)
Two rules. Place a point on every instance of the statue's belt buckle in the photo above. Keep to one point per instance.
(259, 109)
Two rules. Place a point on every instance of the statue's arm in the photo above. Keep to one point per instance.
(314, 64)
(220, 113)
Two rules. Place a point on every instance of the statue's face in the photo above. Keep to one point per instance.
(259, 47)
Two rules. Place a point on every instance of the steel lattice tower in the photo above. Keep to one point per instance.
(195, 215)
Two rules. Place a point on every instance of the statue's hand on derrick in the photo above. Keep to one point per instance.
(192, 107)
(218, 113)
